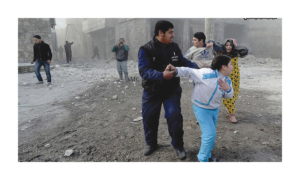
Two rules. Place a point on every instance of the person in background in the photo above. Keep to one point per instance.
(199, 53)
(68, 50)
(229, 47)
(96, 51)
(42, 56)
(121, 51)
(61, 50)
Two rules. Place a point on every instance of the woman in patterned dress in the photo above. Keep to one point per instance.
(229, 47)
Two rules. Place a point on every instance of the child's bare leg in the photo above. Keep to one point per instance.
(232, 117)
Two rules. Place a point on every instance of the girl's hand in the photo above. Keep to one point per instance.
(234, 41)
(223, 85)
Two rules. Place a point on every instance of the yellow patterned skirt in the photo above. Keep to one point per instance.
(235, 78)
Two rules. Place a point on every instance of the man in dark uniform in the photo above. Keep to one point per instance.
(68, 51)
(160, 87)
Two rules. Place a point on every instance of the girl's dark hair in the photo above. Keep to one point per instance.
(233, 52)
(219, 61)
(163, 26)
(199, 36)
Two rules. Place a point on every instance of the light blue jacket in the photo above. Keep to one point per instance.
(206, 93)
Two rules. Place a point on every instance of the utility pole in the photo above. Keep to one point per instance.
(209, 28)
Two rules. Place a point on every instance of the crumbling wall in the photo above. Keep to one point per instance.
(27, 28)
(265, 37)
(136, 33)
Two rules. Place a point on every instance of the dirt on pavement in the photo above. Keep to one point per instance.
(80, 113)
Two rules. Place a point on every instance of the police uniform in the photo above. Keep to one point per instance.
(154, 57)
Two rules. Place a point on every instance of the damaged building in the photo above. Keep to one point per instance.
(256, 34)
(27, 28)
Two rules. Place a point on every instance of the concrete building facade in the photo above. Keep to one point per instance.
(27, 28)
(263, 37)
(74, 33)
(100, 31)
(258, 35)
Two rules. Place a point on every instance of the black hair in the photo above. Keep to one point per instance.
(219, 61)
(233, 52)
(37, 36)
(199, 36)
(122, 38)
(163, 26)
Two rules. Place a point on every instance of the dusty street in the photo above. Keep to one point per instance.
(79, 113)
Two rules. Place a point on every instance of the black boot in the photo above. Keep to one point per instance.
(149, 150)
(181, 153)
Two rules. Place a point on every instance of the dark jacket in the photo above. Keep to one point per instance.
(96, 50)
(68, 47)
(42, 52)
(121, 52)
(60, 49)
(237, 51)
(154, 57)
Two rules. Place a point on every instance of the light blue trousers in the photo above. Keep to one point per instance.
(207, 119)
(122, 66)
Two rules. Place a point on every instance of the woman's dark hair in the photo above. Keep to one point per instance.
(37, 36)
(233, 52)
(219, 61)
(199, 36)
(163, 26)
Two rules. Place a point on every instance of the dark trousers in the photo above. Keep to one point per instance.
(69, 57)
(95, 55)
(151, 106)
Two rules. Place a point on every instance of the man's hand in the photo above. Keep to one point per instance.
(168, 74)
(208, 45)
(170, 67)
(32, 62)
(48, 61)
(223, 85)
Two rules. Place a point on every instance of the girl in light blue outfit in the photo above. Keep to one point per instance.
(212, 84)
